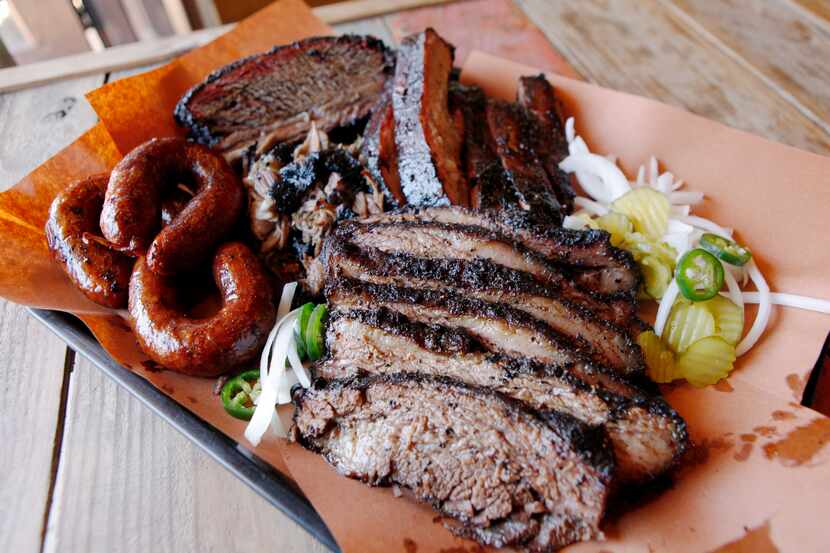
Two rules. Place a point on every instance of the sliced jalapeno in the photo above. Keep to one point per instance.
(726, 250)
(314, 333)
(239, 393)
(699, 275)
(299, 333)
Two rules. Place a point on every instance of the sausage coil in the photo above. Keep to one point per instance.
(213, 345)
(102, 274)
(131, 216)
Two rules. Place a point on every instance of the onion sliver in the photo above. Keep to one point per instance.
(664, 309)
(764, 308)
(791, 300)
(592, 207)
(735, 295)
(705, 224)
(614, 182)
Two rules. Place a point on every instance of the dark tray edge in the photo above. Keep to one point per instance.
(255, 473)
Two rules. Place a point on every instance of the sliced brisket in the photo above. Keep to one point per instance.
(429, 148)
(273, 97)
(608, 344)
(589, 250)
(502, 471)
(537, 95)
(647, 435)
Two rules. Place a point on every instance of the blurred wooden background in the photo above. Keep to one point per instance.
(75, 26)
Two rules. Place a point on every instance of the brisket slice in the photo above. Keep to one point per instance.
(528, 187)
(647, 435)
(429, 148)
(273, 97)
(485, 175)
(499, 326)
(608, 343)
(538, 97)
(440, 240)
(589, 250)
(504, 472)
(379, 153)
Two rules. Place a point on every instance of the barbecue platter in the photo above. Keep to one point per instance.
(410, 263)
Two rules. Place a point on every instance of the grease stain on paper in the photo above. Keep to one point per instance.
(151, 366)
(756, 540)
(765, 431)
(744, 453)
(801, 444)
(724, 386)
(796, 384)
(409, 545)
(782, 415)
(748, 438)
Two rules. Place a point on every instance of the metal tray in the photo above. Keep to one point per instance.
(256, 474)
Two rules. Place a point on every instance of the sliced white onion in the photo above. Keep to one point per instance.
(680, 209)
(680, 241)
(652, 167)
(791, 300)
(641, 176)
(686, 197)
(678, 184)
(613, 182)
(569, 129)
(578, 146)
(592, 207)
(573, 222)
(675, 226)
(664, 310)
(764, 308)
(705, 224)
(261, 418)
(735, 294)
(664, 183)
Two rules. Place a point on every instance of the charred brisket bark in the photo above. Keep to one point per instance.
(487, 461)
(380, 154)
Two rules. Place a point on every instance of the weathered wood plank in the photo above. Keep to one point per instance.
(778, 40)
(375, 26)
(36, 124)
(128, 482)
(498, 27)
(644, 48)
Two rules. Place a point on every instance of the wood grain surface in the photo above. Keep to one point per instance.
(33, 364)
(643, 47)
(87, 468)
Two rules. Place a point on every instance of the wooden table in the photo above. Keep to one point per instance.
(84, 467)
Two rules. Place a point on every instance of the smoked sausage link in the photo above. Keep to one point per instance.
(132, 213)
(207, 346)
(102, 274)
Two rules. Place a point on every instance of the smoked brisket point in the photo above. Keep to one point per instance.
(550, 145)
(589, 251)
(647, 435)
(506, 474)
(273, 97)
(607, 343)
(428, 144)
